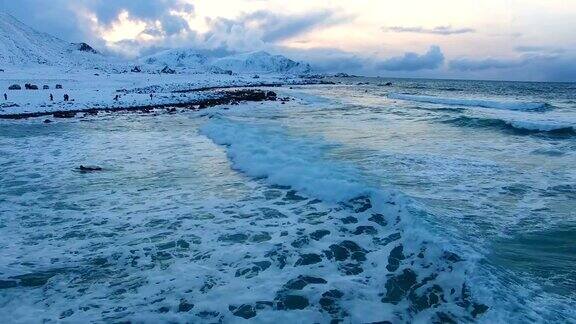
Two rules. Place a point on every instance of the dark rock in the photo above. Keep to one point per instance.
(352, 246)
(361, 204)
(208, 314)
(263, 265)
(293, 302)
(136, 69)
(47, 121)
(83, 47)
(233, 238)
(46, 87)
(167, 70)
(338, 252)
(398, 286)
(319, 234)
(58, 86)
(29, 86)
(387, 240)
(329, 302)
(261, 305)
(35, 279)
(302, 281)
(254, 270)
(5, 284)
(292, 196)
(334, 294)
(270, 213)
(370, 230)
(451, 257)
(164, 309)
(349, 220)
(308, 259)
(185, 306)
(261, 237)
(64, 114)
(66, 313)
(378, 219)
(300, 242)
(395, 257)
(244, 311)
(86, 169)
(443, 318)
(479, 309)
(428, 299)
(15, 87)
(358, 256)
(183, 244)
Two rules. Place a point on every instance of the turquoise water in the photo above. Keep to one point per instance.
(346, 204)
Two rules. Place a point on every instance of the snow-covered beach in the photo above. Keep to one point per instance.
(54, 69)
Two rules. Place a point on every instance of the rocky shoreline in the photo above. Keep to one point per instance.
(227, 97)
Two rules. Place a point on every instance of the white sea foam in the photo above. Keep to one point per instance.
(269, 153)
(542, 126)
(467, 102)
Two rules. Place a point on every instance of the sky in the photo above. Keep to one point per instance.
(466, 39)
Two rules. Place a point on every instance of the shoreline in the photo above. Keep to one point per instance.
(166, 96)
(216, 99)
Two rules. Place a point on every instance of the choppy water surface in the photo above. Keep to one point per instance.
(427, 201)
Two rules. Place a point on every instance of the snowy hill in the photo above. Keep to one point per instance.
(179, 60)
(187, 60)
(22, 46)
(261, 62)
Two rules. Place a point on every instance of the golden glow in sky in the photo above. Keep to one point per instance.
(368, 25)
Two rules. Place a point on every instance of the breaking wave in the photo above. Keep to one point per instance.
(519, 126)
(483, 103)
(388, 265)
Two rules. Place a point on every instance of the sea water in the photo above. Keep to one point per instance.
(424, 201)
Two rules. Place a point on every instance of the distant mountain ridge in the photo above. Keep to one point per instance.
(22, 46)
(262, 62)
(256, 62)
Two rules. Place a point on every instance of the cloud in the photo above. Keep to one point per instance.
(280, 27)
(108, 11)
(438, 30)
(539, 49)
(468, 64)
(329, 59)
(255, 30)
(534, 67)
(432, 59)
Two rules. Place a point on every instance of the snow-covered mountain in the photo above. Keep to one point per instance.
(187, 60)
(261, 62)
(21, 45)
(180, 60)
(177, 58)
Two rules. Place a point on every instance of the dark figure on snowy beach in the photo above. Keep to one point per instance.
(66, 97)
(51, 97)
(5, 97)
(116, 98)
(151, 96)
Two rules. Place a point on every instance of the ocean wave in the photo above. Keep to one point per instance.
(482, 103)
(520, 126)
(402, 272)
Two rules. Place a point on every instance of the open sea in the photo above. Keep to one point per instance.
(427, 201)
